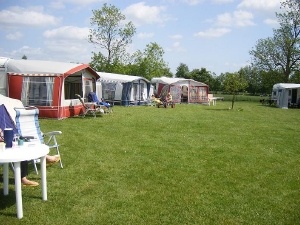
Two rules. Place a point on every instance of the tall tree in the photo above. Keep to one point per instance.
(150, 63)
(253, 78)
(282, 51)
(234, 83)
(202, 75)
(112, 35)
(24, 57)
(182, 71)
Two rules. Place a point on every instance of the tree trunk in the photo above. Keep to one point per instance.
(232, 103)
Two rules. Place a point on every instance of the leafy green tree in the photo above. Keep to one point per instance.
(253, 78)
(295, 78)
(215, 84)
(112, 35)
(234, 83)
(182, 71)
(24, 57)
(268, 79)
(150, 62)
(202, 75)
(282, 51)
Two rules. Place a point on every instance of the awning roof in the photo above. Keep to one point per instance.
(285, 85)
(118, 78)
(176, 81)
(44, 68)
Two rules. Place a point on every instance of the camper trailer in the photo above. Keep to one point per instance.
(182, 90)
(50, 86)
(286, 95)
(124, 89)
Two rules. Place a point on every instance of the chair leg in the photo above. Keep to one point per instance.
(34, 166)
(57, 151)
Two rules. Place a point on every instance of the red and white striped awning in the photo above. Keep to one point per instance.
(37, 74)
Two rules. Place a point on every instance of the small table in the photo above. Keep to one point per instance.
(17, 154)
(214, 100)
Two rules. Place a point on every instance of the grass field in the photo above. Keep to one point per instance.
(194, 164)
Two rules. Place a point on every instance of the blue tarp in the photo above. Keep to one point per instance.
(5, 120)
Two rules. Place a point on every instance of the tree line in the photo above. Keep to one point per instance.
(275, 59)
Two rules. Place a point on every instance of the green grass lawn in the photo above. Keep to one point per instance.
(194, 164)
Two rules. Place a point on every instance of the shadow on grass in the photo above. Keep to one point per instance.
(7, 200)
(217, 109)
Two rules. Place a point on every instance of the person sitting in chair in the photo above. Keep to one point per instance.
(155, 100)
(169, 97)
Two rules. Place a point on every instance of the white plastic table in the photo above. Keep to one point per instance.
(17, 154)
(214, 100)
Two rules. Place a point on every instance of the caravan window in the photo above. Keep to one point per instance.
(108, 91)
(72, 86)
(138, 89)
(37, 91)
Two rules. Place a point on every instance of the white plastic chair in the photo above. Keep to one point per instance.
(28, 126)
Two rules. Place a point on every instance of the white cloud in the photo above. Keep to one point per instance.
(223, 1)
(68, 43)
(26, 50)
(140, 13)
(176, 44)
(57, 5)
(238, 18)
(214, 33)
(260, 4)
(176, 36)
(14, 36)
(145, 35)
(176, 47)
(67, 33)
(19, 17)
(81, 2)
(192, 2)
(271, 22)
(263, 7)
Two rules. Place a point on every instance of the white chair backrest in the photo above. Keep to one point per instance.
(28, 124)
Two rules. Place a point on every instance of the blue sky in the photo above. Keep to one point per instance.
(212, 34)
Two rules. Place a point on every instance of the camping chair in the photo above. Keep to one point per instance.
(28, 127)
(107, 108)
(89, 108)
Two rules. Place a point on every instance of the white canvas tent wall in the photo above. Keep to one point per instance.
(180, 88)
(285, 94)
(10, 104)
(127, 89)
(50, 86)
(3, 81)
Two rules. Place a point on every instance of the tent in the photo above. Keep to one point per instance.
(286, 94)
(50, 86)
(181, 89)
(124, 89)
(10, 104)
(6, 121)
(3, 82)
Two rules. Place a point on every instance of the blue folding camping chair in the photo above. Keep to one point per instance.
(92, 97)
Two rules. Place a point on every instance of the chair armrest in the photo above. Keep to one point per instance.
(52, 133)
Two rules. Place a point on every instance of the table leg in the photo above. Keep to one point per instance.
(44, 178)
(18, 190)
(5, 179)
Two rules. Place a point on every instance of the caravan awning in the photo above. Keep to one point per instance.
(44, 68)
(118, 78)
(177, 81)
(285, 86)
